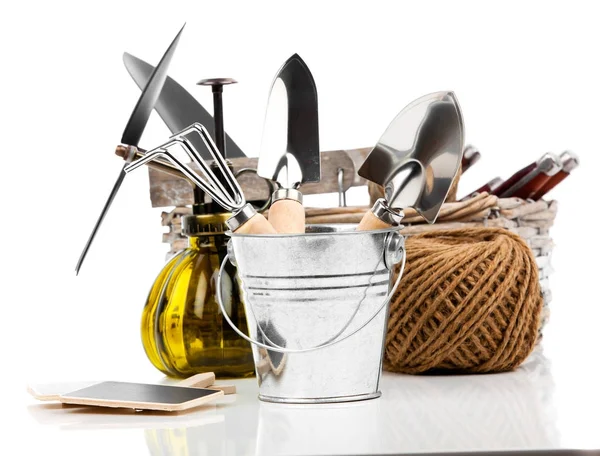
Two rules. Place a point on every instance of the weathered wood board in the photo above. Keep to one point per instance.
(167, 190)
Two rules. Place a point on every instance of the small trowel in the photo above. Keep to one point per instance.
(289, 154)
(415, 160)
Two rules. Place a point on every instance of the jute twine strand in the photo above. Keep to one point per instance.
(469, 301)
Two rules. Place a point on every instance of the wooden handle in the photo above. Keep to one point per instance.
(370, 222)
(533, 186)
(512, 180)
(199, 380)
(287, 216)
(256, 225)
(206, 380)
(227, 389)
(549, 185)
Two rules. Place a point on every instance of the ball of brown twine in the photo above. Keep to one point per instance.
(469, 301)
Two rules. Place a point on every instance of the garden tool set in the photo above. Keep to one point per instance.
(415, 170)
(315, 297)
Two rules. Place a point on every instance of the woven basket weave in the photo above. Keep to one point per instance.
(530, 220)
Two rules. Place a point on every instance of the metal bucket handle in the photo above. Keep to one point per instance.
(303, 350)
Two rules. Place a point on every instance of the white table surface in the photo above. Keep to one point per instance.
(516, 410)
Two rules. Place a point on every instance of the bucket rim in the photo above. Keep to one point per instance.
(349, 230)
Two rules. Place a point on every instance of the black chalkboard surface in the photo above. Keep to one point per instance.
(140, 396)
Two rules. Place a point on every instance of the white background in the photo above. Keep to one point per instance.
(526, 75)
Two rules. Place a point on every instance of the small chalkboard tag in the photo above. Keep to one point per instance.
(140, 396)
(53, 391)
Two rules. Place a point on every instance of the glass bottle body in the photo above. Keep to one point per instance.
(183, 330)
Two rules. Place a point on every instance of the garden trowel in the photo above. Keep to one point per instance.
(415, 160)
(289, 154)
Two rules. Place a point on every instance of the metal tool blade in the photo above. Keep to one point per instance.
(428, 131)
(177, 107)
(289, 153)
(134, 129)
(152, 90)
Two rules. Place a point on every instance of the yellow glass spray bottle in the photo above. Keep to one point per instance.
(183, 330)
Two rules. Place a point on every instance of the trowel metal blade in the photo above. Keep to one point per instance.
(429, 131)
(289, 153)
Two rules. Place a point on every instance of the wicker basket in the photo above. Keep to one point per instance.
(530, 220)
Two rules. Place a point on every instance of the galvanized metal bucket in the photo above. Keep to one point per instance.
(317, 307)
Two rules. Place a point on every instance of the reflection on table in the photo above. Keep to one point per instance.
(415, 413)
